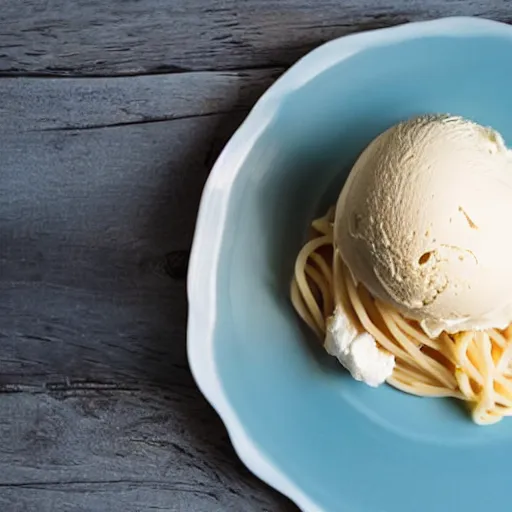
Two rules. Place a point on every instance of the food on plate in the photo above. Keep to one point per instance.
(409, 280)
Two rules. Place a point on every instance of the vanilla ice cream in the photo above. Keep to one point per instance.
(423, 223)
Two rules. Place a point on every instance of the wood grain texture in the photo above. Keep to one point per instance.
(94, 450)
(30, 104)
(89, 219)
(113, 37)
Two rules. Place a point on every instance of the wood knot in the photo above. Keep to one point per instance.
(176, 264)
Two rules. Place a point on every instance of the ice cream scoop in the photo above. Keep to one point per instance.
(423, 222)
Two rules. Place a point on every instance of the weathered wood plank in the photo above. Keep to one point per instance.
(95, 37)
(128, 451)
(92, 223)
(50, 104)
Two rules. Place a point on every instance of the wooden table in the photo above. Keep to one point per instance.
(111, 115)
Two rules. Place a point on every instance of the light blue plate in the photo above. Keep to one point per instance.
(297, 421)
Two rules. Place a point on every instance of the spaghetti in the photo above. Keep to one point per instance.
(474, 366)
